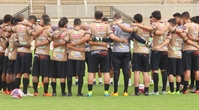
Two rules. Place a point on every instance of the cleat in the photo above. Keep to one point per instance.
(21, 85)
(9, 92)
(184, 92)
(177, 92)
(76, 83)
(100, 83)
(154, 93)
(106, 93)
(146, 93)
(114, 94)
(28, 94)
(125, 94)
(169, 92)
(111, 83)
(89, 94)
(197, 92)
(164, 93)
(130, 84)
(193, 90)
(54, 94)
(36, 94)
(4, 92)
(47, 94)
(69, 94)
(80, 94)
(172, 93)
(136, 94)
(63, 94)
(94, 83)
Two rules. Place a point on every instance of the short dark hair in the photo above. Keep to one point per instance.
(77, 21)
(62, 23)
(193, 19)
(66, 19)
(45, 16)
(138, 18)
(196, 19)
(150, 16)
(156, 15)
(19, 16)
(32, 17)
(46, 21)
(177, 15)
(1, 21)
(172, 20)
(7, 18)
(186, 15)
(104, 19)
(117, 16)
(98, 15)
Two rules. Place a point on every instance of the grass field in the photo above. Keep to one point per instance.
(99, 102)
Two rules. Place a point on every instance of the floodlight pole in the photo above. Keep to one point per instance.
(30, 4)
(58, 8)
(85, 3)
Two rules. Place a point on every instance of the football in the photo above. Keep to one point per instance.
(17, 94)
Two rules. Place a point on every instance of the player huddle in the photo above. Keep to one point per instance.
(171, 46)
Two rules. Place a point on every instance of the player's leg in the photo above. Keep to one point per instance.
(191, 86)
(18, 71)
(8, 77)
(171, 69)
(99, 76)
(62, 74)
(145, 68)
(163, 66)
(36, 74)
(111, 67)
(195, 68)
(71, 66)
(54, 73)
(80, 66)
(129, 72)
(125, 70)
(4, 71)
(76, 80)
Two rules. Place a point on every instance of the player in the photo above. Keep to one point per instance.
(59, 58)
(76, 57)
(99, 53)
(140, 59)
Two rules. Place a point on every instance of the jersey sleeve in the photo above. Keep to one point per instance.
(14, 29)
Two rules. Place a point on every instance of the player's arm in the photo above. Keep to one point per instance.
(124, 28)
(187, 40)
(37, 32)
(163, 44)
(42, 43)
(117, 39)
(145, 27)
(98, 43)
(17, 44)
(3, 45)
(74, 48)
(81, 41)
(59, 43)
(56, 35)
(161, 32)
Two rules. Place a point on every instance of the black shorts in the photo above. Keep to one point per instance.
(158, 60)
(140, 62)
(110, 57)
(120, 60)
(1, 62)
(5, 65)
(130, 56)
(75, 67)
(87, 55)
(174, 66)
(11, 67)
(190, 60)
(41, 65)
(23, 63)
(58, 69)
(99, 58)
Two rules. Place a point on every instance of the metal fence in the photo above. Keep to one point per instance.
(10, 9)
(70, 11)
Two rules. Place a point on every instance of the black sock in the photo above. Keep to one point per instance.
(17, 82)
(171, 85)
(185, 86)
(146, 89)
(106, 87)
(182, 79)
(80, 83)
(156, 80)
(177, 86)
(63, 86)
(115, 81)
(46, 87)
(90, 87)
(164, 80)
(69, 83)
(25, 85)
(12, 85)
(192, 79)
(4, 85)
(136, 90)
(126, 82)
(35, 84)
(197, 84)
(53, 84)
(1, 82)
(9, 86)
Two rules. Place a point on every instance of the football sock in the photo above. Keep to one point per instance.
(100, 79)
(111, 79)
(35, 84)
(136, 90)
(177, 86)
(90, 87)
(197, 84)
(13, 85)
(106, 87)
(80, 83)
(156, 80)
(17, 82)
(146, 89)
(164, 80)
(126, 82)
(69, 83)
(185, 86)
(53, 84)
(182, 79)
(171, 85)
(192, 79)
(63, 86)
(46, 88)
(4, 85)
(116, 78)
(25, 85)
(9, 86)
